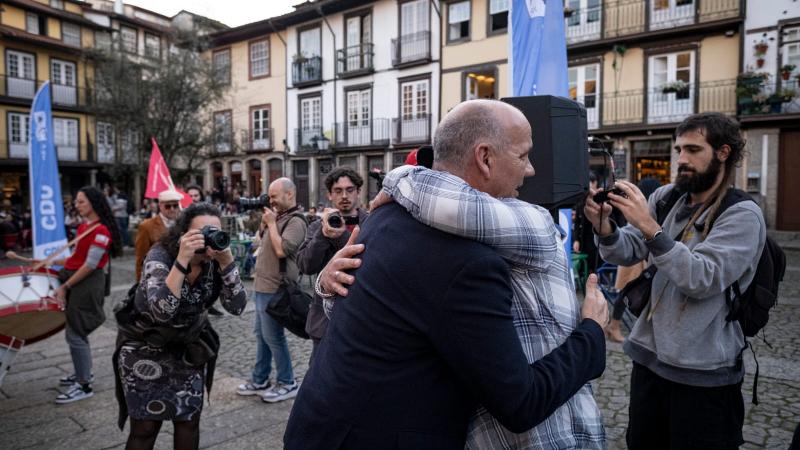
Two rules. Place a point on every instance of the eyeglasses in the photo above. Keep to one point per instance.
(171, 206)
(340, 191)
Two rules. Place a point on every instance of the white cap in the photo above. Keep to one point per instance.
(169, 196)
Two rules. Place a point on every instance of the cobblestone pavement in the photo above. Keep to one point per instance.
(30, 420)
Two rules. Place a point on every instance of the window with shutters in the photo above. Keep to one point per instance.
(498, 16)
(458, 20)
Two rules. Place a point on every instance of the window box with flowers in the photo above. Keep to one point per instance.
(679, 87)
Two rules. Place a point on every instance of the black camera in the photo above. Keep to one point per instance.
(260, 202)
(379, 176)
(335, 220)
(214, 238)
(602, 196)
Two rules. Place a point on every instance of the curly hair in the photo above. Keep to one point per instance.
(340, 172)
(718, 130)
(99, 203)
(171, 240)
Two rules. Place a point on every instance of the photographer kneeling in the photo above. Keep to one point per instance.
(166, 347)
(325, 237)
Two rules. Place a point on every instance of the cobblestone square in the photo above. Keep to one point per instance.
(30, 420)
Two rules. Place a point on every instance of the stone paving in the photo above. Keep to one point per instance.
(30, 420)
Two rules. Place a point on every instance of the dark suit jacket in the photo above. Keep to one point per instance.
(423, 337)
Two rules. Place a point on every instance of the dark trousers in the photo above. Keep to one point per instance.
(668, 415)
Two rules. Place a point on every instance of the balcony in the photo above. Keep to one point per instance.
(369, 133)
(261, 141)
(306, 139)
(755, 96)
(306, 71)
(24, 89)
(354, 60)
(667, 104)
(664, 15)
(583, 25)
(412, 130)
(411, 49)
(629, 17)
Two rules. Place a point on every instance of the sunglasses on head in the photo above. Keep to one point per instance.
(171, 205)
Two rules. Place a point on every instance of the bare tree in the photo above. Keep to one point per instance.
(163, 97)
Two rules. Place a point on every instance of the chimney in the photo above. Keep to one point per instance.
(119, 7)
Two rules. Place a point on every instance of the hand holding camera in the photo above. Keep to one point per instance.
(332, 223)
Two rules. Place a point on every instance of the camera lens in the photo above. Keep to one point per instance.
(335, 220)
(219, 240)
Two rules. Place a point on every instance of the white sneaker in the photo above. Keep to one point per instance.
(280, 392)
(251, 388)
(75, 393)
(69, 380)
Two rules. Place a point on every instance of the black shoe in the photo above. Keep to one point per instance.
(215, 312)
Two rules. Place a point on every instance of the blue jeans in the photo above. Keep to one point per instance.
(270, 341)
(122, 224)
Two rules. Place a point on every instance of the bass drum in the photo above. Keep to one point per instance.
(28, 308)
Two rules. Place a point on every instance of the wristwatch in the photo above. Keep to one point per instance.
(181, 268)
(655, 235)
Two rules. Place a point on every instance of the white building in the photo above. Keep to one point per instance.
(362, 88)
(768, 98)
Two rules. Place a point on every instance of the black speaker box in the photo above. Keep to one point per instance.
(560, 154)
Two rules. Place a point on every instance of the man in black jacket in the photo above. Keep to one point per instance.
(323, 239)
(426, 332)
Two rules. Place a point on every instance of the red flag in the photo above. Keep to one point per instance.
(158, 178)
(186, 200)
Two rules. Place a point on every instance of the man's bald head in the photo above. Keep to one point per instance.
(285, 184)
(470, 124)
(282, 194)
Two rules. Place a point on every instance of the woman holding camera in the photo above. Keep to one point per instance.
(166, 347)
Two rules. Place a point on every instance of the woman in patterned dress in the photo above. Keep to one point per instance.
(166, 347)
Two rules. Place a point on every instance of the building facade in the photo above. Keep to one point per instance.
(45, 40)
(769, 109)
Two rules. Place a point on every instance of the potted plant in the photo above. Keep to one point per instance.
(759, 51)
(775, 101)
(300, 58)
(751, 78)
(786, 71)
(679, 87)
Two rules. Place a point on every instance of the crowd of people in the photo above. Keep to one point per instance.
(446, 316)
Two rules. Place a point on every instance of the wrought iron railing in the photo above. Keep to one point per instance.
(415, 129)
(583, 24)
(411, 48)
(362, 133)
(307, 70)
(60, 94)
(354, 59)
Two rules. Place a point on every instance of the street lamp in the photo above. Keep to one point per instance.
(321, 143)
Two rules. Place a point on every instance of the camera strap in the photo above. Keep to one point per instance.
(292, 213)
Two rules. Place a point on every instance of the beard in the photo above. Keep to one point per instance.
(695, 182)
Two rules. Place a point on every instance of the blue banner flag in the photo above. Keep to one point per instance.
(538, 48)
(47, 212)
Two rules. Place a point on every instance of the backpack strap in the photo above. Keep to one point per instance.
(665, 205)
(282, 261)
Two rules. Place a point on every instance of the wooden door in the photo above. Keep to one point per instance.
(788, 181)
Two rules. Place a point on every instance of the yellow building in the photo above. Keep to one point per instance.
(250, 122)
(44, 40)
(638, 66)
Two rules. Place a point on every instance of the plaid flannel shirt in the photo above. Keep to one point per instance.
(544, 305)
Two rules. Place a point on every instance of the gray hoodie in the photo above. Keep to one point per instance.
(687, 339)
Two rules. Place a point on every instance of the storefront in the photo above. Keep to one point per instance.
(650, 159)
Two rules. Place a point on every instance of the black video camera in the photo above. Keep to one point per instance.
(336, 220)
(214, 238)
(260, 202)
(602, 196)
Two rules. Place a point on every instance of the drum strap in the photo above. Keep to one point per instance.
(52, 257)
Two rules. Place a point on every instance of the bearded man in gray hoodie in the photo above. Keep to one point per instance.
(687, 358)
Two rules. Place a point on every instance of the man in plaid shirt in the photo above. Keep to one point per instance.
(544, 306)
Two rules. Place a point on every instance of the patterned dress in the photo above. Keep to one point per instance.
(158, 383)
